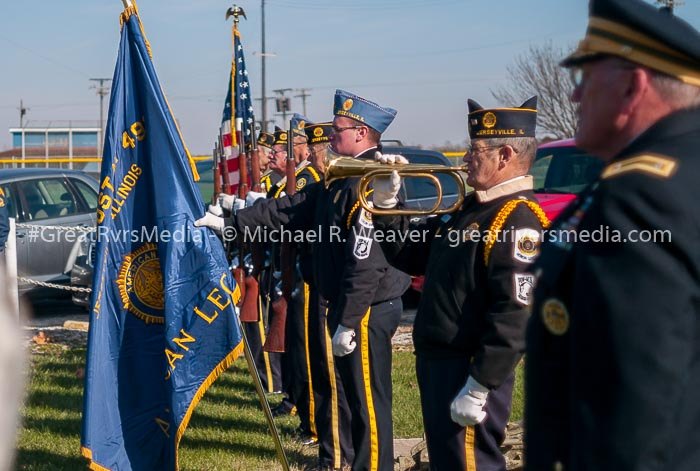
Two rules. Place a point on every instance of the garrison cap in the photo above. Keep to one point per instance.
(298, 124)
(266, 139)
(502, 122)
(319, 132)
(367, 112)
(280, 136)
(638, 32)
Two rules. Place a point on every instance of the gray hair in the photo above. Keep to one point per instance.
(525, 147)
(678, 94)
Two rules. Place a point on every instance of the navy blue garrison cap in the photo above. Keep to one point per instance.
(638, 32)
(362, 110)
(502, 122)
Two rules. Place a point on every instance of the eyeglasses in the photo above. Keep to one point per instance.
(275, 152)
(338, 130)
(578, 76)
(471, 150)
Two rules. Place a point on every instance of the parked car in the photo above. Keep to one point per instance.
(417, 193)
(47, 197)
(561, 172)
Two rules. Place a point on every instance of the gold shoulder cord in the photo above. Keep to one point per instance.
(500, 220)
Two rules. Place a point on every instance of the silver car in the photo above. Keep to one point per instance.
(40, 199)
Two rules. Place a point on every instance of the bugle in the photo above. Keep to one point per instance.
(347, 167)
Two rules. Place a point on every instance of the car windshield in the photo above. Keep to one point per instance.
(564, 170)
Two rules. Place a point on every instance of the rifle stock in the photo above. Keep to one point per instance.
(276, 336)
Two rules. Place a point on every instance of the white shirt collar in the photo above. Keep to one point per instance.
(508, 187)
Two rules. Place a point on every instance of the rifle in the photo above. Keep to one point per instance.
(276, 335)
(217, 173)
(250, 308)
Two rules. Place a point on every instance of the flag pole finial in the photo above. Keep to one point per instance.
(235, 12)
(127, 3)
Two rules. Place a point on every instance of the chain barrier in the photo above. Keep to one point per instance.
(56, 228)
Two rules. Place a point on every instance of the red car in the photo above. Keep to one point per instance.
(561, 172)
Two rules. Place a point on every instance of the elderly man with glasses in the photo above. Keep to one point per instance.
(614, 338)
(469, 331)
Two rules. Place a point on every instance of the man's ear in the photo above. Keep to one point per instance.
(362, 133)
(505, 154)
(637, 87)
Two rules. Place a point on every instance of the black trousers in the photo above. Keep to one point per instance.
(366, 377)
(451, 446)
(331, 410)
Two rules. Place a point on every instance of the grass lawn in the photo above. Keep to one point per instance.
(227, 431)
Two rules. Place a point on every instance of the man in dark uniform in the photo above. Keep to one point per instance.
(613, 343)
(469, 331)
(269, 177)
(332, 413)
(363, 292)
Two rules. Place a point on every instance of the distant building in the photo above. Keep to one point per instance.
(67, 144)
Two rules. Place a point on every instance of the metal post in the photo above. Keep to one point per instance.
(102, 92)
(303, 96)
(11, 266)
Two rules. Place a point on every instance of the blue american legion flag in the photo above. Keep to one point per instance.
(163, 325)
(238, 112)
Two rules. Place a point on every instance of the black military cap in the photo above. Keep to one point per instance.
(502, 122)
(640, 33)
(280, 137)
(266, 139)
(319, 132)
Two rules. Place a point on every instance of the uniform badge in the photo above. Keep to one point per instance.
(523, 284)
(489, 120)
(140, 284)
(347, 104)
(366, 218)
(362, 247)
(318, 132)
(555, 316)
(527, 244)
(301, 183)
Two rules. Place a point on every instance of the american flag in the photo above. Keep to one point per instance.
(238, 112)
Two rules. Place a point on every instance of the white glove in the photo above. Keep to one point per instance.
(386, 190)
(343, 341)
(211, 221)
(390, 159)
(252, 197)
(227, 201)
(216, 210)
(468, 405)
(238, 204)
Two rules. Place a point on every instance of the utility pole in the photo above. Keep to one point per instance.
(263, 54)
(303, 96)
(670, 4)
(22, 112)
(102, 92)
(283, 103)
(271, 122)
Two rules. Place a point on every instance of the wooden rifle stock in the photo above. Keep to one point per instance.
(276, 336)
(217, 173)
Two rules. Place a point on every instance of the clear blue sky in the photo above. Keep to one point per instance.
(422, 57)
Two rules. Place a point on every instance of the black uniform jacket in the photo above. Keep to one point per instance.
(471, 306)
(349, 269)
(613, 365)
(269, 179)
(304, 173)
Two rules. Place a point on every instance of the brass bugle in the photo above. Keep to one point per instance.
(347, 167)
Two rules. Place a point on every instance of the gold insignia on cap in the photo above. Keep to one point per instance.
(347, 104)
(301, 124)
(283, 136)
(318, 132)
(555, 316)
(489, 120)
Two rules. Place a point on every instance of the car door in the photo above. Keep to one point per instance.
(42, 249)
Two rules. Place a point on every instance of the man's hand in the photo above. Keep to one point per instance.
(252, 197)
(211, 221)
(386, 190)
(343, 341)
(227, 201)
(390, 159)
(468, 406)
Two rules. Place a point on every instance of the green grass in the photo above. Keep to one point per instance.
(227, 430)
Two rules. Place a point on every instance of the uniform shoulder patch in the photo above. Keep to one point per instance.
(363, 245)
(366, 218)
(522, 285)
(301, 183)
(526, 244)
(660, 166)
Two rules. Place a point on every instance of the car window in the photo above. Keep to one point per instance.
(86, 192)
(47, 198)
(564, 170)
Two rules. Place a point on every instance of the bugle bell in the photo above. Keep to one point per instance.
(347, 167)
